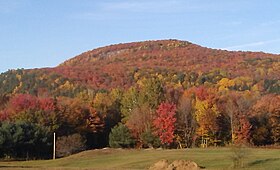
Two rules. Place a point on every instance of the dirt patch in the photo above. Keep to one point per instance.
(162, 164)
(176, 165)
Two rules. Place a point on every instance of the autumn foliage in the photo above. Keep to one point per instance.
(165, 122)
(156, 93)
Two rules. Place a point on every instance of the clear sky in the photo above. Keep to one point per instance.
(44, 33)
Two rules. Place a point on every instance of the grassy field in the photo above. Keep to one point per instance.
(210, 158)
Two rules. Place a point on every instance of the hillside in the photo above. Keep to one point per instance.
(166, 93)
(122, 65)
(117, 65)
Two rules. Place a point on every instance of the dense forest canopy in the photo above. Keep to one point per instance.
(154, 93)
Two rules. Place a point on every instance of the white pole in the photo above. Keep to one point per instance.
(53, 145)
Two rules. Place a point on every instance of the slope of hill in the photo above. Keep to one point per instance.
(123, 64)
(116, 65)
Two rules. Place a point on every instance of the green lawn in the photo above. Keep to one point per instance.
(210, 158)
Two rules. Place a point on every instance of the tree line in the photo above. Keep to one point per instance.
(152, 113)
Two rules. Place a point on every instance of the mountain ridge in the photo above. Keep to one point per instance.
(176, 55)
(122, 65)
(129, 45)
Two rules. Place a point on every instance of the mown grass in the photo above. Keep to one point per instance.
(210, 158)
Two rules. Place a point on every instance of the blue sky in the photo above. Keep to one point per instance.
(44, 33)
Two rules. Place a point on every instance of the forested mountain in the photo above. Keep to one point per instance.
(122, 65)
(168, 92)
(119, 65)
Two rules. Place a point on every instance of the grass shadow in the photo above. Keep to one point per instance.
(262, 161)
(6, 167)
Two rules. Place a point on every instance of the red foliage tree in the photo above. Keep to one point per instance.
(243, 133)
(22, 102)
(165, 122)
(201, 93)
(47, 104)
(4, 115)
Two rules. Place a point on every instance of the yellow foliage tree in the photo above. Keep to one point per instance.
(206, 115)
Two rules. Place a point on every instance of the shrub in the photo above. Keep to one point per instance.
(239, 154)
(120, 137)
(150, 140)
(67, 145)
